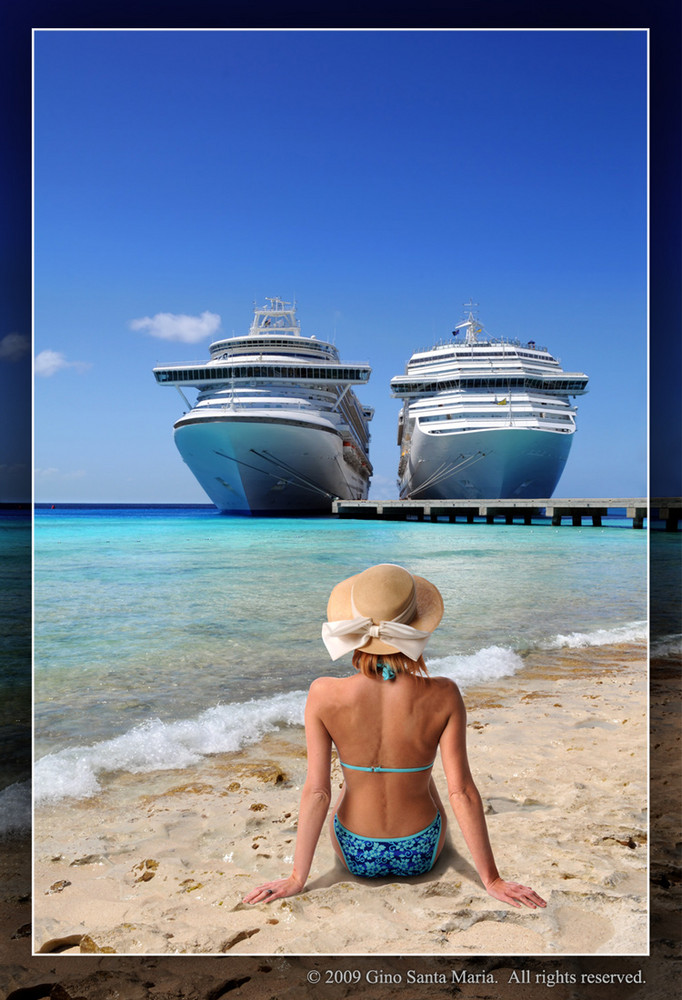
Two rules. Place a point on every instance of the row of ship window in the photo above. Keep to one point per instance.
(512, 353)
(336, 374)
(501, 414)
(561, 385)
(249, 348)
(474, 427)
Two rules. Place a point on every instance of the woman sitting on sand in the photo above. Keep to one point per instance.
(386, 722)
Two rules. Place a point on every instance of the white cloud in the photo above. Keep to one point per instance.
(14, 346)
(50, 362)
(186, 329)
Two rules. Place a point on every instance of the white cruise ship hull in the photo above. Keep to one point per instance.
(504, 463)
(264, 465)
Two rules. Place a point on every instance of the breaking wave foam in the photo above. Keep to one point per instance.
(487, 664)
(156, 746)
(634, 632)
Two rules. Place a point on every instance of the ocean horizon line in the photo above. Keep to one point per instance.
(29, 505)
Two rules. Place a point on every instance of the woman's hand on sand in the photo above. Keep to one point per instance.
(515, 894)
(269, 891)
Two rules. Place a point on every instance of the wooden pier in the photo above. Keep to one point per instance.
(557, 511)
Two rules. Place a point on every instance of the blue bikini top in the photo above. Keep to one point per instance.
(391, 770)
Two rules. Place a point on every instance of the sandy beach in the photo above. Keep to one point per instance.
(159, 863)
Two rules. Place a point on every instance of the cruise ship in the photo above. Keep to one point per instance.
(484, 418)
(276, 427)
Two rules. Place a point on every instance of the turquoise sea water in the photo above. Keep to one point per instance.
(162, 635)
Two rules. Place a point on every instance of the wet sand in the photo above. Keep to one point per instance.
(158, 864)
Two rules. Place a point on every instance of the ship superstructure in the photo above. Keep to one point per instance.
(276, 427)
(484, 418)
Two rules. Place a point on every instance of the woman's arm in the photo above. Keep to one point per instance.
(468, 809)
(314, 806)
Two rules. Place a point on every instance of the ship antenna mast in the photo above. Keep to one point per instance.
(471, 323)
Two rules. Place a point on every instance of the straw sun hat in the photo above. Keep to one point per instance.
(385, 609)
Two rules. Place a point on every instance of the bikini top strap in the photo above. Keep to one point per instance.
(391, 770)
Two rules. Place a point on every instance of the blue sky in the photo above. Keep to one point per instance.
(381, 178)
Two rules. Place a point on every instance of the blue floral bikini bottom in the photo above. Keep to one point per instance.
(373, 857)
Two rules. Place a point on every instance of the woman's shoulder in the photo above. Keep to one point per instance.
(446, 693)
(322, 687)
(444, 685)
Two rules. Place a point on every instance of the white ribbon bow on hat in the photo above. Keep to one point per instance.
(352, 633)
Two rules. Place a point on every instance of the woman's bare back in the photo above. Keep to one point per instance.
(388, 724)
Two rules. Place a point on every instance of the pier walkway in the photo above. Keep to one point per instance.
(556, 510)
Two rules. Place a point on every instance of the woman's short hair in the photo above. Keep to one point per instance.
(371, 664)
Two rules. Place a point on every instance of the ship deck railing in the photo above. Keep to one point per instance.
(667, 511)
